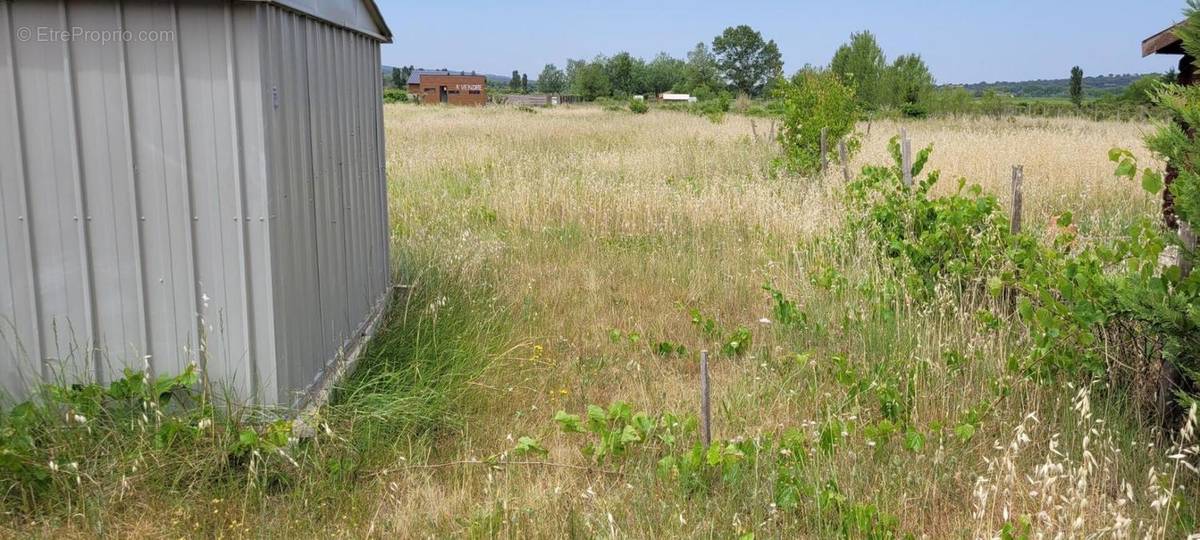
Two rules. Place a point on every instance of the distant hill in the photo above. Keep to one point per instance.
(1057, 88)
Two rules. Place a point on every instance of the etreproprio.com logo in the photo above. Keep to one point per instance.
(48, 34)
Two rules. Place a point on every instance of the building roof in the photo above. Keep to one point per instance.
(360, 16)
(415, 77)
(1163, 42)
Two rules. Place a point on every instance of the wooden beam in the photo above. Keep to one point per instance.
(1163, 42)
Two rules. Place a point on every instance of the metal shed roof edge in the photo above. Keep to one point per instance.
(384, 34)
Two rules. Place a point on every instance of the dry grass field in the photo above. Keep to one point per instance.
(563, 261)
(589, 236)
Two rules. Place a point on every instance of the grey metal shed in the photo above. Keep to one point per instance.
(190, 181)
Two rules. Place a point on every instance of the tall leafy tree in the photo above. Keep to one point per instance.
(514, 83)
(625, 72)
(525, 82)
(1077, 86)
(861, 64)
(572, 72)
(591, 80)
(400, 76)
(701, 70)
(663, 73)
(552, 80)
(746, 60)
(909, 83)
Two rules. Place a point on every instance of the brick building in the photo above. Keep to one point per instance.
(448, 87)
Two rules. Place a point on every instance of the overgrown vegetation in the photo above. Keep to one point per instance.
(393, 95)
(813, 102)
(904, 85)
(887, 360)
(87, 456)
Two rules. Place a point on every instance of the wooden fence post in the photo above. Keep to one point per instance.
(824, 149)
(1018, 177)
(906, 157)
(705, 420)
(844, 156)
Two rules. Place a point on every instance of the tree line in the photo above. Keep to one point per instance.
(740, 60)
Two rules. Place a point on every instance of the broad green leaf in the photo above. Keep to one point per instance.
(995, 285)
(597, 419)
(965, 432)
(630, 435)
(570, 423)
(914, 441)
(1127, 168)
(1152, 182)
(528, 444)
(713, 457)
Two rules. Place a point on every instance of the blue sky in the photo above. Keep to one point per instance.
(962, 40)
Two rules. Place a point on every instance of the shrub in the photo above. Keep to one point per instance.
(714, 109)
(609, 104)
(915, 110)
(742, 103)
(638, 106)
(395, 95)
(1096, 311)
(810, 101)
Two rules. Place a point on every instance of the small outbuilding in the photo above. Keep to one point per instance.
(676, 98)
(449, 87)
(191, 181)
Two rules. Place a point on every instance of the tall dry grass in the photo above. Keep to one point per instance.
(589, 226)
(548, 252)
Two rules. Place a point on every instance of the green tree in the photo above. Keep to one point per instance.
(1077, 86)
(400, 76)
(591, 80)
(811, 101)
(993, 103)
(861, 64)
(572, 72)
(552, 80)
(953, 100)
(525, 83)
(700, 71)
(746, 60)
(909, 84)
(514, 83)
(1143, 90)
(663, 73)
(625, 73)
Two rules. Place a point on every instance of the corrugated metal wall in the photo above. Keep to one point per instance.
(216, 196)
(330, 193)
